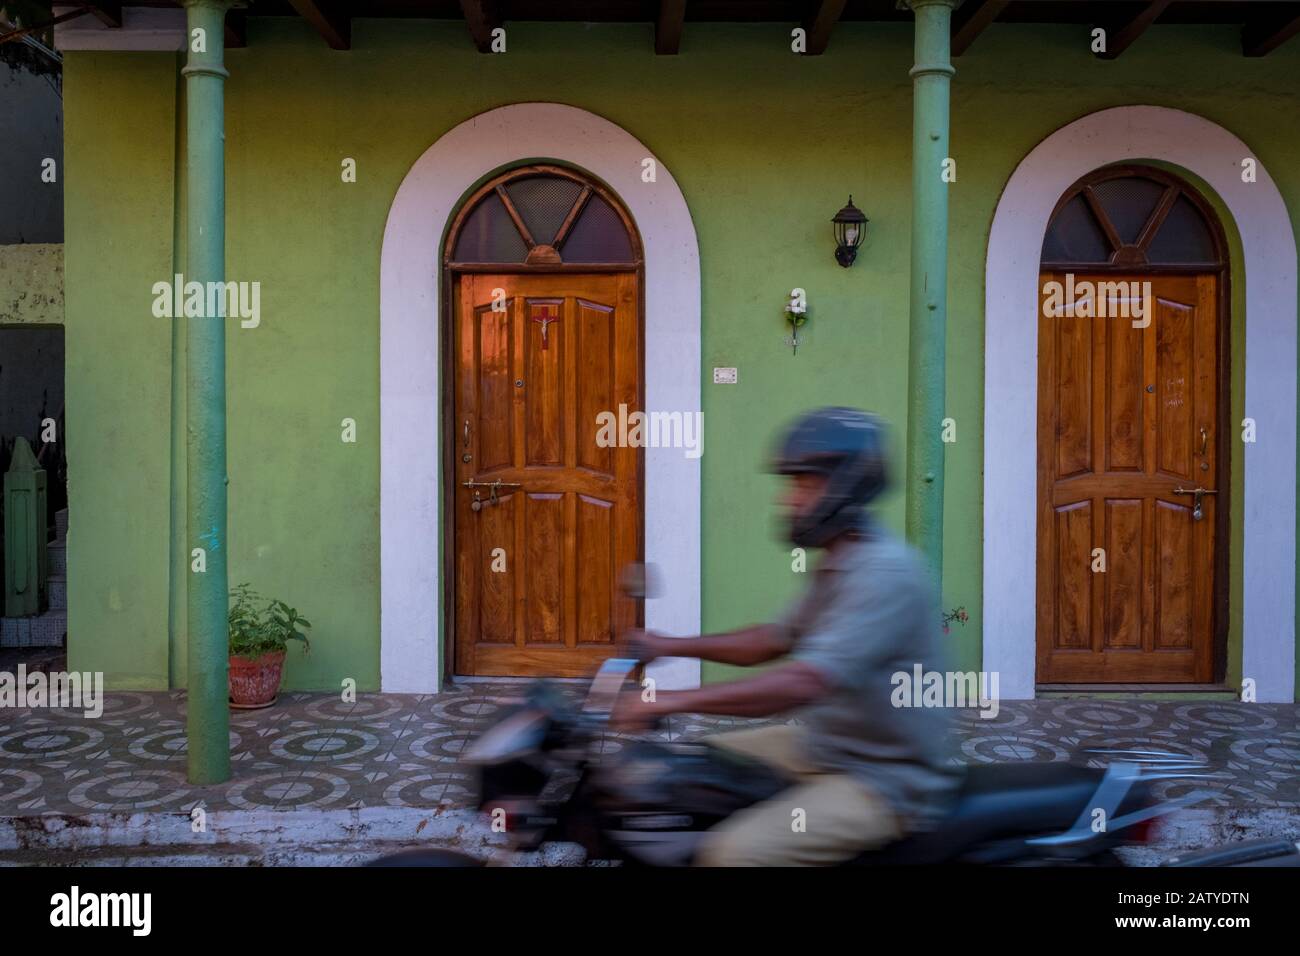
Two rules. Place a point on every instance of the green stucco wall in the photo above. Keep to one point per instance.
(118, 165)
(765, 146)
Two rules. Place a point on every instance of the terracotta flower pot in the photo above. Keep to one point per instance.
(255, 681)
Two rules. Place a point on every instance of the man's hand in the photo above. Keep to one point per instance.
(632, 714)
(644, 646)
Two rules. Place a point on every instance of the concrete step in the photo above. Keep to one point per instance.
(34, 835)
(58, 551)
(57, 592)
(236, 837)
(45, 630)
(61, 523)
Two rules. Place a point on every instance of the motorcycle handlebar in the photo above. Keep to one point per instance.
(607, 684)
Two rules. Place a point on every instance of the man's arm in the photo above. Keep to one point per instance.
(743, 648)
(772, 692)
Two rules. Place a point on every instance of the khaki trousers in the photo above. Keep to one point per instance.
(823, 818)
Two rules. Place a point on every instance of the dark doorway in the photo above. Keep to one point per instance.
(32, 414)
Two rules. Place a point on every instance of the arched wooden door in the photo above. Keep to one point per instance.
(544, 268)
(1133, 441)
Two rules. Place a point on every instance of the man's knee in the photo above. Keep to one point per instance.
(766, 834)
(734, 847)
(817, 823)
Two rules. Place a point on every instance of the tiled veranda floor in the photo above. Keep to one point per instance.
(313, 751)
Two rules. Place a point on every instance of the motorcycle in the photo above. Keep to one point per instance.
(542, 778)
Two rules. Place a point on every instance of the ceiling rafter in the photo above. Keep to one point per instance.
(1263, 35)
(669, 27)
(109, 14)
(482, 17)
(236, 29)
(819, 25)
(970, 19)
(331, 20)
(1122, 31)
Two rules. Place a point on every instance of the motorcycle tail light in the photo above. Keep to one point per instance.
(517, 815)
(527, 823)
(1143, 832)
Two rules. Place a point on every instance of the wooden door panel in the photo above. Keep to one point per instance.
(596, 389)
(1125, 382)
(1174, 324)
(595, 526)
(546, 560)
(1127, 415)
(1073, 396)
(1123, 582)
(492, 420)
(498, 589)
(1074, 536)
(1173, 576)
(544, 397)
(536, 571)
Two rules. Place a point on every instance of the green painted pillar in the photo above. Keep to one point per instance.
(178, 558)
(207, 715)
(928, 312)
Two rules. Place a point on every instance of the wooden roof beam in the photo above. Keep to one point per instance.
(818, 27)
(669, 26)
(333, 23)
(1121, 30)
(236, 29)
(970, 19)
(1263, 35)
(109, 14)
(482, 18)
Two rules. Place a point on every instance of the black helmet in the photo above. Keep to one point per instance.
(846, 445)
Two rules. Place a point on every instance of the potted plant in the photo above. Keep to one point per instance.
(260, 632)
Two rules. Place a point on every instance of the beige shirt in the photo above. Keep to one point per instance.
(869, 614)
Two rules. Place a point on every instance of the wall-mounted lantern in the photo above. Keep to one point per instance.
(850, 228)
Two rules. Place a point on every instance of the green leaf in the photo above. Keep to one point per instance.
(257, 625)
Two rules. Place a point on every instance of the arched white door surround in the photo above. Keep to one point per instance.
(1131, 133)
(409, 298)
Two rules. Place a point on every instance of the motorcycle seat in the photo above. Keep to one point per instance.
(998, 807)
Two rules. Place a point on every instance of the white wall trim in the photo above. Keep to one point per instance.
(1130, 133)
(409, 296)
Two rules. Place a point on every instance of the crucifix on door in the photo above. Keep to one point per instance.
(545, 314)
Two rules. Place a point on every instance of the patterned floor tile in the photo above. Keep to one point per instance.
(320, 751)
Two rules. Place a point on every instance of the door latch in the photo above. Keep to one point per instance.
(492, 486)
(1198, 510)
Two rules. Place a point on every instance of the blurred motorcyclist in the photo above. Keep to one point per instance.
(863, 772)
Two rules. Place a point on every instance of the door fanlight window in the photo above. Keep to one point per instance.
(1132, 217)
(543, 216)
